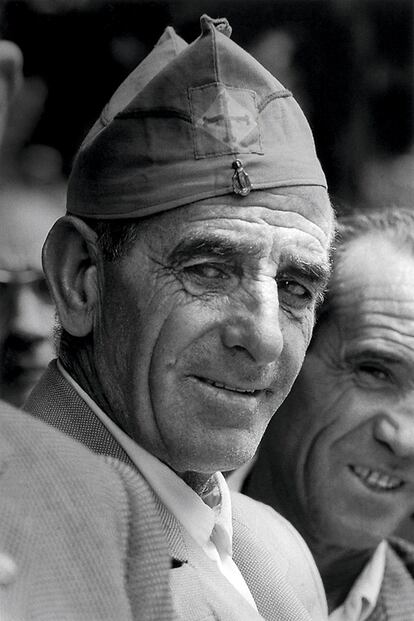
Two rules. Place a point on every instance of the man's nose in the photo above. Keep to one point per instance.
(29, 321)
(396, 431)
(254, 326)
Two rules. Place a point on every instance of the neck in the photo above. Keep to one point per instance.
(201, 483)
(339, 568)
(80, 365)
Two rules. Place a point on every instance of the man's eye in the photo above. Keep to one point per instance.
(293, 293)
(372, 370)
(207, 271)
(294, 288)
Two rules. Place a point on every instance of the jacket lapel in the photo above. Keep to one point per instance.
(200, 591)
(56, 402)
(274, 597)
(396, 598)
(147, 575)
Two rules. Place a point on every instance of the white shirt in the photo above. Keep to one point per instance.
(199, 518)
(363, 596)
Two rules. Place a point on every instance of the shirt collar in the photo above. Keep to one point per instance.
(198, 517)
(363, 596)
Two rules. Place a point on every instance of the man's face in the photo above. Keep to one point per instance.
(204, 324)
(26, 310)
(341, 448)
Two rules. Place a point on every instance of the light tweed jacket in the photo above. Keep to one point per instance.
(396, 598)
(67, 535)
(271, 556)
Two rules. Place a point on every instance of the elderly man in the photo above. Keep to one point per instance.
(338, 459)
(186, 277)
(68, 536)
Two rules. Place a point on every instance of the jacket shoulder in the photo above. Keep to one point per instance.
(64, 516)
(54, 401)
(81, 530)
(405, 552)
(396, 597)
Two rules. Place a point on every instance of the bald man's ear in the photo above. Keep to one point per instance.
(70, 257)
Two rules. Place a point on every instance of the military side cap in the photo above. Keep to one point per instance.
(167, 47)
(211, 121)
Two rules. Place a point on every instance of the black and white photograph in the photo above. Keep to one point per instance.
(206, 310)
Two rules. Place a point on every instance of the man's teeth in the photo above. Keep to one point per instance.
(376, 479)
(233, 388)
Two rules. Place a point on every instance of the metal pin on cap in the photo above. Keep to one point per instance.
(241, 181)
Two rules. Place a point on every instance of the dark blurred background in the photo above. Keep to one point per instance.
(348, 62)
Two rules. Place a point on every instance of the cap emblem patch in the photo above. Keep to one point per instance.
(224, 120)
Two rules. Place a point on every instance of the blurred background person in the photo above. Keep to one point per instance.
(26, 310)
(10, 78)
(31, 199)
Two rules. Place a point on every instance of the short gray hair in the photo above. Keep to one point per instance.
(395, 224)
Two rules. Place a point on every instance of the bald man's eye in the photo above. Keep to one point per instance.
(373, 375)
(373, 371)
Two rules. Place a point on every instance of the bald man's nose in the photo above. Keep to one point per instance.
(396, 431)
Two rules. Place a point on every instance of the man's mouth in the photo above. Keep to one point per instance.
(232, 388)
(377, 480)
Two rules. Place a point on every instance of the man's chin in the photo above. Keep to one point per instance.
(221, 463)
(350, 533)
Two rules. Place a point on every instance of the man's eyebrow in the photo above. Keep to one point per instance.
(315, 272)
(212, 245)
(216, 245)
(375, 354)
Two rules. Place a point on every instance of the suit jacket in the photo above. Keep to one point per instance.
(66, 534)
(271, 556)
(396, 597)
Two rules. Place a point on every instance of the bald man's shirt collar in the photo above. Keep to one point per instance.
(363, 596)
(208, 521)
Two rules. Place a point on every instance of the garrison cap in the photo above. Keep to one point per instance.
(192, 122)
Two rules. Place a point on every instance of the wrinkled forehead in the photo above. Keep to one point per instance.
(305, 208)
(372, 262)
(372, 283)
(301, 204)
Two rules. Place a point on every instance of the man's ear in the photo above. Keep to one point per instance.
(70, 257)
